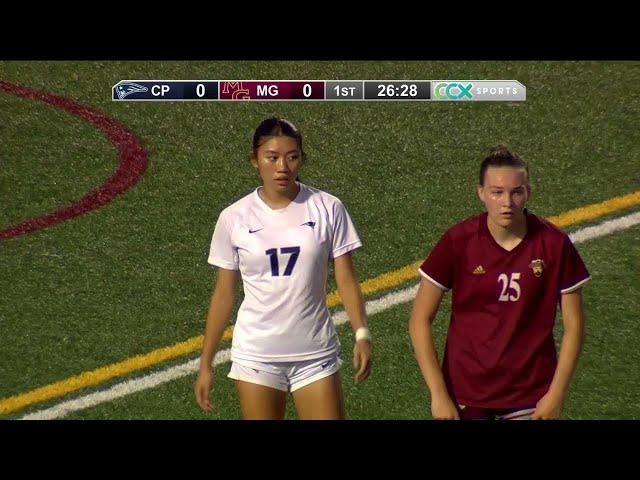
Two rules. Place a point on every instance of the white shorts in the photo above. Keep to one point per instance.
(285, 376)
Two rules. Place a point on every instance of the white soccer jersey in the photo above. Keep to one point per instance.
(283, 257)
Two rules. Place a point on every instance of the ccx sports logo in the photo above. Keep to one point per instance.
(453, 91)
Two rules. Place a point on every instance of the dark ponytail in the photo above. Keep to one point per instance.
(501, 156)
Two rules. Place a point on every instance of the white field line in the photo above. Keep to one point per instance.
(390, 300)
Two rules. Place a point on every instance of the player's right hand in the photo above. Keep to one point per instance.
(362, 360)
(202, 389)
(442, 408)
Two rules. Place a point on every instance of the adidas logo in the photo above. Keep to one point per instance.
(479, 270)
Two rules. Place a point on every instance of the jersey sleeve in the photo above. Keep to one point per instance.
(573, 272)
(345, 237)
(439, 266)
(222, 252)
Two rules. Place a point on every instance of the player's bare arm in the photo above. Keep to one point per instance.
(220, 308)
(550, 405)
(351, 295)
(423, 313)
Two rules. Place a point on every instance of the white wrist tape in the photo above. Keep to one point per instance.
(363, 333)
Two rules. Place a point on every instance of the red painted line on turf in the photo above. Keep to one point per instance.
(132, 161)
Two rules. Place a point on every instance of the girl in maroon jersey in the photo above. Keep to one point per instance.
(508, 269)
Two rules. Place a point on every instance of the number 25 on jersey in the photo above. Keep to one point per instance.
(509, 285)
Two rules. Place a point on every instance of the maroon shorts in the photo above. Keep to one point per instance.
(476, 413)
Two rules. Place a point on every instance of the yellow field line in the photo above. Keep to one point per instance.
(370, 286)
(595, 210)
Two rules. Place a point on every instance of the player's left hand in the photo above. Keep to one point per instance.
(362, 359)
(549, 407)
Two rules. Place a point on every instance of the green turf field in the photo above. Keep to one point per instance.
(131, 276)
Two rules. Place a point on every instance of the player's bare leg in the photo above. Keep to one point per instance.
(320, 400)
(258, 402)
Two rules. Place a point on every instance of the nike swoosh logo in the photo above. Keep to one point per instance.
(256, 230)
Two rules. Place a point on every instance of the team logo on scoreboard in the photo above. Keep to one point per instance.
(234, 91)
(537, 266)
(125, 89)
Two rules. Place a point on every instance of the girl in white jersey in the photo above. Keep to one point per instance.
(279, 239)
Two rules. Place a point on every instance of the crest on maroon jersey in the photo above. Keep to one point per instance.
(537, 266)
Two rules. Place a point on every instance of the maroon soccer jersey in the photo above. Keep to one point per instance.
(500, 350)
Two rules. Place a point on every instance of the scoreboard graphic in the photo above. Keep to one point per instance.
(320, 90)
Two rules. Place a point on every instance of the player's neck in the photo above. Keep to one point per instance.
(508, 237)
(277, 200)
